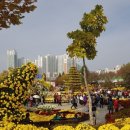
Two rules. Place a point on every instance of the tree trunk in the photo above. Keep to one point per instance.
(89, 96)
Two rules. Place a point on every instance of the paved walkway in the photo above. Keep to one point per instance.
(100, 113)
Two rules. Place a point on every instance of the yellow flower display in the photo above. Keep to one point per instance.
(126, 127)
(12, 126)
(122, 121)
(29, 127)
(108, 127)
(84, 126)
(37, 118)
(14, 92)
(70, 115)
(65, 127)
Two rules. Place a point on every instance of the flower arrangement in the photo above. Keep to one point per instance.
(84, 126)
(12, 126)
(108, 127)
(38, 118)
(70, 116)
(14, 91)
(46, 107)
(64, 128)
(122, 121)
(120, 115)
(126, 127)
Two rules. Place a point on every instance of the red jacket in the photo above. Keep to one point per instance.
(116, 104)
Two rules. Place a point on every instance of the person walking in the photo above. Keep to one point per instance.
(55, 97)
(74, 102)
(94, 108)
(116, 105)
(110, 105)
(59, 100)
(85, 99)
(101, 101)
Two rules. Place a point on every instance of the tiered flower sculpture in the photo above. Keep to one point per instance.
(14, 90)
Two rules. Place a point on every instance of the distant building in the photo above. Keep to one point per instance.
(27, 61)
(107, 70)
(64, 63)
(51, 65)
(20, 61)
(12, 59)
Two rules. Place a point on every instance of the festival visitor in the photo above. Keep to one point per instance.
(116, 105)
(74, 102)
(110, 105)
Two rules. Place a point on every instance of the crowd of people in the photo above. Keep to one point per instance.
(99, 99)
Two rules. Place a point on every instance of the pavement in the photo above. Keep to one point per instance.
(100, 113)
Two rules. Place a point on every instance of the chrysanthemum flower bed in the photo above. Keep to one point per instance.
(124, 113)
(82, 126)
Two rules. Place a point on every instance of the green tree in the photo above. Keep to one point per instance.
(84, 41)
(93, 77)
(124, 73)
(73, 81)
(127, 80)
(59, 81)
(11, 11)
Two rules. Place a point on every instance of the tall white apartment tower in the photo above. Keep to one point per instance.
(64, 63)
(41, 63)
(44, 64)
(60, 64)
(11, 58)
(68, 62)
(51, 65)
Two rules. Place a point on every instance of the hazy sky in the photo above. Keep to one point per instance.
(44, 31)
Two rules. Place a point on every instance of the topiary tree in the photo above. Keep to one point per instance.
(14, 90)
(73, 81)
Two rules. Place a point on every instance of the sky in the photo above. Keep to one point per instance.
(44, 32)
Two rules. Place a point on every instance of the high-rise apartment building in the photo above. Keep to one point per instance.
(64, 63)
(51, 65)
(44, 64)
(60, 64)
(12, 59)
(20, 61)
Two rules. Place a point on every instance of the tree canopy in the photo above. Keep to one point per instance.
(84, 39)
(124, 72)
(11, 11)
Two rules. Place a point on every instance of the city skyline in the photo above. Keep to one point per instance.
(44, 31)
(15, 61)
(51, 65)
